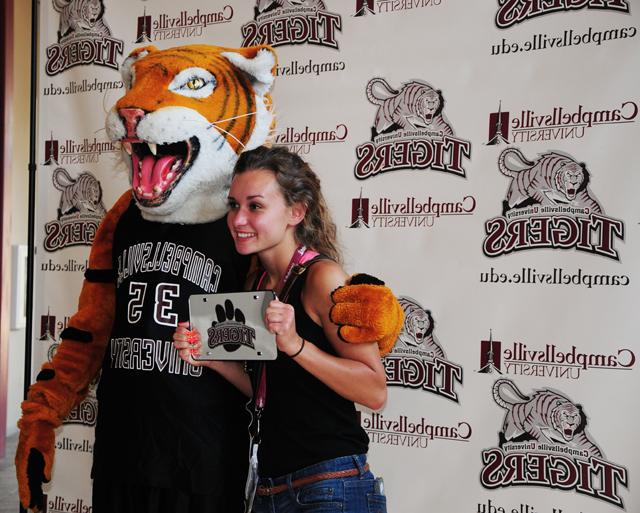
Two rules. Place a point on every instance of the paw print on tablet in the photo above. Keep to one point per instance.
(230, 330)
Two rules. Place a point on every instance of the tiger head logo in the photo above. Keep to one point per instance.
(187, 114)
(80, 17)
(415, 106)
(553, 179)
(418, 328)
(571, 179)
(81, 195)
(545, 416)
(429, 104)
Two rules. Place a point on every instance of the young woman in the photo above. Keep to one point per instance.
(313, 450)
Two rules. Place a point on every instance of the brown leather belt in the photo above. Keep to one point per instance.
(296, 483)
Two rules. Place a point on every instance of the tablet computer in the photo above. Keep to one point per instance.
(231, 325)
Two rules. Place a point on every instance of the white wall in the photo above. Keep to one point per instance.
(19, 190)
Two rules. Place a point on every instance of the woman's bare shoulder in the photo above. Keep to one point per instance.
(326, 275)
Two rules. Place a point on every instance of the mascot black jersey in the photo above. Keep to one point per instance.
(161, 421)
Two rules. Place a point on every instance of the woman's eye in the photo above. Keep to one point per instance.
(254, 206)
(195, 83)
(232, 204)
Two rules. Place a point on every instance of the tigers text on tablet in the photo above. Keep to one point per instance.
(231, 325)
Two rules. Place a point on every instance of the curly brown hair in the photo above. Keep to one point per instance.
(298, 184)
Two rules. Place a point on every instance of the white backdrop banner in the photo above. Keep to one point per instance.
(478, 156)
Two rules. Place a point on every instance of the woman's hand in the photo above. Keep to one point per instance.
(188, 343)
(280, 318)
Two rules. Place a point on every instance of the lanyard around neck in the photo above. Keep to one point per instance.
(296, 259)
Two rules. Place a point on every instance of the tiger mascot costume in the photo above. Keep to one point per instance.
(169, 437)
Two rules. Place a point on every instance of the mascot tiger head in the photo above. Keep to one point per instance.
(187, 114)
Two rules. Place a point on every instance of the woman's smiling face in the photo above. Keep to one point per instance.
(258, 214)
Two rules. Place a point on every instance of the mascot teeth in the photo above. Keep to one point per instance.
(159, 167)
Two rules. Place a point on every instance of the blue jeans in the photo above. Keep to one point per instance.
(361, 493)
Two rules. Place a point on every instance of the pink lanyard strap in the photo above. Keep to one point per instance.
(261, 393)
(300, 256)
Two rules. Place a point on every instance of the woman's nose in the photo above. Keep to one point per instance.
(239, 217)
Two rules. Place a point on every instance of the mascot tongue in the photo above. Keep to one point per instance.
(153, 177)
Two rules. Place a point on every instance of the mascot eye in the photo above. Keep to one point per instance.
(194, 83)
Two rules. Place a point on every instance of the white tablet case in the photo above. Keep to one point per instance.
(232, 326)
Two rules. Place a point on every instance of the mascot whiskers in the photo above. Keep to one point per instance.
(169, 434)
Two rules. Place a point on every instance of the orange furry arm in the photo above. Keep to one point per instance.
(366, 311)
(64, 382)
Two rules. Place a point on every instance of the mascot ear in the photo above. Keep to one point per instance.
(127, 71)
(259, 62)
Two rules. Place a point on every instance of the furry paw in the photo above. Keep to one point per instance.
(367, 311)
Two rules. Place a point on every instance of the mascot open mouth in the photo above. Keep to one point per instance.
(157, 168)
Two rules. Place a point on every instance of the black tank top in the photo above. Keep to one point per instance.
(304, 421)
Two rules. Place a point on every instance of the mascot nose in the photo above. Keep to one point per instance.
(131, 117)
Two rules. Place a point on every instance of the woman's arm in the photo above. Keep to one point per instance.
(188, 343)
(357, 372)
